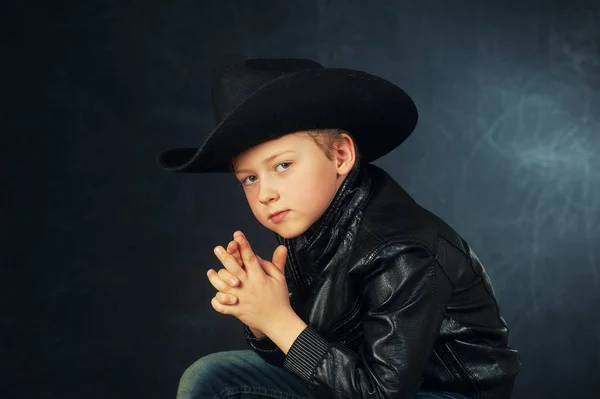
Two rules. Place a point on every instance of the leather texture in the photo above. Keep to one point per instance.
(395, 301)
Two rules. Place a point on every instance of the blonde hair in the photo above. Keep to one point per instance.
(326, 139)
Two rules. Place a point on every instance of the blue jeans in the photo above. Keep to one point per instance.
(242, 374)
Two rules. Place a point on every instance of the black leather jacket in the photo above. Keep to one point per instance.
(395, 302)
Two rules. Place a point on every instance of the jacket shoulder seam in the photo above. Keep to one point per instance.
(408, 240)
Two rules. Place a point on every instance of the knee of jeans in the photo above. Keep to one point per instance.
(206, 368)
(201, 367)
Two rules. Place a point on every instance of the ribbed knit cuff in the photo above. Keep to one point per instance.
(260, 344)
(305, 353)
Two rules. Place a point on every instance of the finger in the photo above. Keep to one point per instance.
(226, 299)
(233, 249)
(220, 308)
(216, 282)
(264, 264)
(261, 262)
(276, 268)
(228, 278)
(250, 260)
(269, 268)
(230, 263)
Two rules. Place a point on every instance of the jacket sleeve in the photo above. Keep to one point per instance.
(265, 348)
(404, 297)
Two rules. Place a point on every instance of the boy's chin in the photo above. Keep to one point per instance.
(289, 236)
(287, 233)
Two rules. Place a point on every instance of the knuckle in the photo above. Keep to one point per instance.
(221, 283)
(220, 286)
(224, 274)
(221, 307)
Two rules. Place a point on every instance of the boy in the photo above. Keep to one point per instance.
(368, 294)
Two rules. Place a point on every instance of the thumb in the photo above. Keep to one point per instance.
(279, 257)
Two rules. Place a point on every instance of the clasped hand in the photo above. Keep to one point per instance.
(260, 296)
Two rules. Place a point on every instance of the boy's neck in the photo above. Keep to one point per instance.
(324, 221)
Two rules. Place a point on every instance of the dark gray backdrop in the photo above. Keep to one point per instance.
(104, 255)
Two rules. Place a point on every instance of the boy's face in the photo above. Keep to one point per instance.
(302, 180)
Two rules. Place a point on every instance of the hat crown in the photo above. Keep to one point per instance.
(241, 80)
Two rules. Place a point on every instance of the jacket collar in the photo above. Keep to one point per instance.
(310, 252)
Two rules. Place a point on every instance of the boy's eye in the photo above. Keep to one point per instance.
(283, 163)
(279, 164)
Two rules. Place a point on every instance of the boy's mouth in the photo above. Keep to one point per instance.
(276, 213)
(278, 216)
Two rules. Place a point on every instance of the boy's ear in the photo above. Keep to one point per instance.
(345, 154)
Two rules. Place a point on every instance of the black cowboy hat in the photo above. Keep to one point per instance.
(262, 99)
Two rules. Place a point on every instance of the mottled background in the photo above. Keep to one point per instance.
(104, 255)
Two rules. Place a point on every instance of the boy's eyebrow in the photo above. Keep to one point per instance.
(267, 160)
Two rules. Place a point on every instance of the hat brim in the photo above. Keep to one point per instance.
(377, 113)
